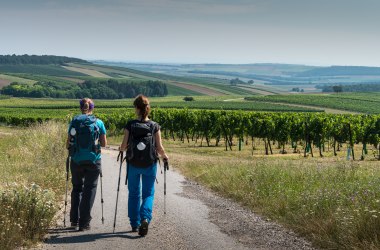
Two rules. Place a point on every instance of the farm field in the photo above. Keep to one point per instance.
(6, 79)
(200, 102)
(78, 72)
(301, 129)
(293, 162)
(275, 156)
(331, 201)
(283, 77)
(89, 72)
(190, 84)
(203, 86)
(357, 102)
(282, 187)
(30, 109)
(53, 70)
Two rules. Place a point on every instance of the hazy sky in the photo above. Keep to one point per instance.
(317, 32)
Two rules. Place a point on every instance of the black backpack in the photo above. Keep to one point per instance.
(141, 151)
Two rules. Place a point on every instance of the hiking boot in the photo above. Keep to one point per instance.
(143, 230)
(135, 229)
(85, 227)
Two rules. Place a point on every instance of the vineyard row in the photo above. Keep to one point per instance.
(216, 126)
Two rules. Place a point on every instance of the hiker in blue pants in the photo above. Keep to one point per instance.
(142, 141)
(86, 136)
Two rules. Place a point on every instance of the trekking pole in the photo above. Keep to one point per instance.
(67, 180)
(118, 188)
(166, 167)
(101, 193)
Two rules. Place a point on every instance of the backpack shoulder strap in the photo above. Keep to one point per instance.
(152, 125)
(92, 118)
(133, 122)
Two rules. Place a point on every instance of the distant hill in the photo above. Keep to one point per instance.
(341, 71)
(35, 59)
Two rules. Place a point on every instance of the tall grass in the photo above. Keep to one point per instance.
(334, 203)
(32, 172)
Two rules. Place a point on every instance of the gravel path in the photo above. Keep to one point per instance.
(195, 219)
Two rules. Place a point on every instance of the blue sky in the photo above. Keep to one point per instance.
(319, 32)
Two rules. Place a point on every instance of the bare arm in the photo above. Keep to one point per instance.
(103, 140)
(159, 147)
(68, 142)
(124, 144)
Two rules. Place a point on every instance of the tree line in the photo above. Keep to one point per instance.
(352, 88)
(35, 59)
(340, 71)
(105, 89)
(237, 81)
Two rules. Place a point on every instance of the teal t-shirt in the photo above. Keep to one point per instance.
(102, 131)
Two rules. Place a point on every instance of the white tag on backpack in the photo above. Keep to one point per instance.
(73, 132)
(141, 146)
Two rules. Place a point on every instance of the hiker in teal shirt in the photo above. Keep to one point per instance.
(86, 136)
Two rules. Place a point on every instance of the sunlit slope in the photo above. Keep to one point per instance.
(190, 85)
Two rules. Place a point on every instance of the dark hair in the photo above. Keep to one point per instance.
(141, 102)
(86, 105)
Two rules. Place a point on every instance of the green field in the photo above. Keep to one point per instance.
(332, 202)
(56, 73)
(356, 102)
(200, 102)
(51, 70)
(283, 156)
(211, 83)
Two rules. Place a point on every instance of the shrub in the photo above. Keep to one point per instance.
(32, 173)
(188, 99)
(25, 214)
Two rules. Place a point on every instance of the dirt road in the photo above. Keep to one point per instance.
(195, 219)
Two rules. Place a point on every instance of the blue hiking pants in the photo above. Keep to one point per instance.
(141, 193)
(84, 180)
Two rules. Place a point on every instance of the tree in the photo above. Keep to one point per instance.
(337, 88)
(296, 89)
(236, 81)
(188, 98)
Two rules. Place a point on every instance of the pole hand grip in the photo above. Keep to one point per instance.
(166, 164)
(120, 156)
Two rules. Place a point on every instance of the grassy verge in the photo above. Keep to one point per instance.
(333, 202)
(32, 172)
